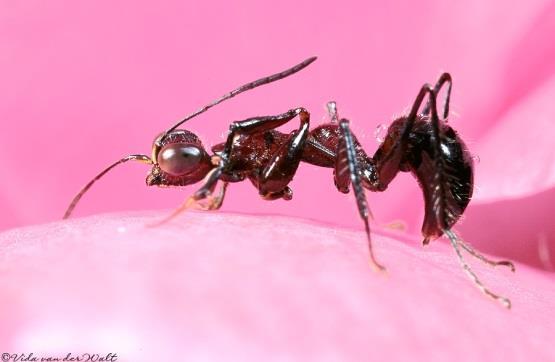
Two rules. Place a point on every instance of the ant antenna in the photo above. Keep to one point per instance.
(241, 89)
(140, 158)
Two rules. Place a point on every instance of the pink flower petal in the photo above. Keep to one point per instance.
(227, 287)
(517, 156)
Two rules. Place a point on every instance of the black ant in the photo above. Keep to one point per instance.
(420, 143)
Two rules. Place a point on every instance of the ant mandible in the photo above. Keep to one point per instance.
(420, 143)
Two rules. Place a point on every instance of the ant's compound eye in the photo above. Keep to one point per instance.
(179, 158)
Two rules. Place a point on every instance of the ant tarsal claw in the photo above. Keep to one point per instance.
(505, 302)
(506, 263)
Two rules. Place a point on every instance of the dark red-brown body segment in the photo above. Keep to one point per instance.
(253, 152)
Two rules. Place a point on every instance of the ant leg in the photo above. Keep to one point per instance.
(456, 244)
(387, 159)
(273, 180)
(258, 125)
(444, 78)
(341, 172)
(444, 216)
(209, 184)
(204, 193)
(386, 162)
(441, 210)
(347, 161)
(425, 90)
(469, 249)
(213, 202)
(276, 175)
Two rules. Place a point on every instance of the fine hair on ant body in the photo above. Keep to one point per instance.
(421, 143)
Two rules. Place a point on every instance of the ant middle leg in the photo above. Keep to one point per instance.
(442, 210)
(203, 198)
(347, 171)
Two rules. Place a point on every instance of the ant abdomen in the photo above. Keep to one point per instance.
(444, 173)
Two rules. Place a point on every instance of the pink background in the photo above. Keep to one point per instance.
(84, 83)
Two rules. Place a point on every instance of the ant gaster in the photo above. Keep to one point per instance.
(420, 143)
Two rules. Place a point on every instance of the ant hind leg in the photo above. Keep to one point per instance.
(444, 78)
(444, 215)
(469, 249)
(457, 245)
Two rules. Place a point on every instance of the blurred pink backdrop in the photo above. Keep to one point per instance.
(84, 83)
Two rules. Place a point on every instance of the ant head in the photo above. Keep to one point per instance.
(179, 159)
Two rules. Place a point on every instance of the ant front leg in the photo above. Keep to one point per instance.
(203, 194)
(207, 190)
(272, 180)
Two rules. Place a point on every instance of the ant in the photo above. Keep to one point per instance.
(420, 143)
